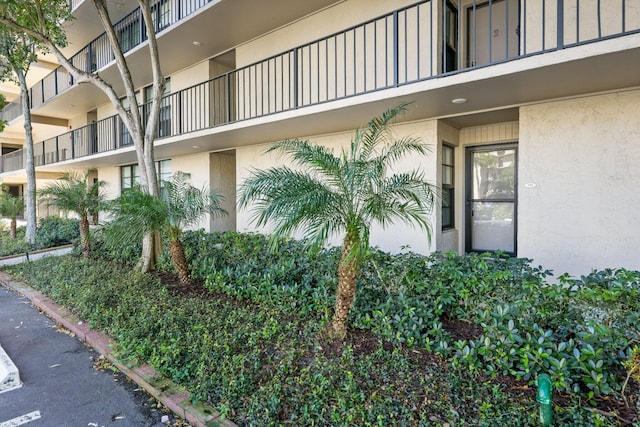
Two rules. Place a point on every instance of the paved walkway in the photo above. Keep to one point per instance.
(60, 385)
(35, 255)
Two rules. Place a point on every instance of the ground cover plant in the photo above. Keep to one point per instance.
(431, 340)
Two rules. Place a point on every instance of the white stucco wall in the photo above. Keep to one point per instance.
(396, 237)
(579, 205)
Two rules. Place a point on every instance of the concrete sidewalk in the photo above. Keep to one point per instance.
(32, 256)
(59, 381)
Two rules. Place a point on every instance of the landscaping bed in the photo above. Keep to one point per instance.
(51, 232)
(432, 340)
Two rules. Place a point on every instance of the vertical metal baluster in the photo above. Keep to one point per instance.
(445, 34)
(406, 47)
(599, 21)
(355, 77)
(375, 55)
(490, 31)
(418, 44)
(475, 35)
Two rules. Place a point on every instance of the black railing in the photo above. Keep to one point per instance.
(393, 50)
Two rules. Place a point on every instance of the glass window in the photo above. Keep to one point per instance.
(448, 179)
(130, 175)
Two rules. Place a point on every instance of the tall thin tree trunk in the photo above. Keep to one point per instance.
(14, 228)
(30, 196)
(348, 271)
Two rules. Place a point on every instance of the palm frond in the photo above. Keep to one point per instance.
(290, 200)
(73, 193)
(135, 213)
(310, 156)
(10, 206)
(377, 130)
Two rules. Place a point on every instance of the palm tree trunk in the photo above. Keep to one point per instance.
(180, 261)
(348, 271)
(14, 228)
(85, 244)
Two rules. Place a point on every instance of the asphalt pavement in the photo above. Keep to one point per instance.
(65, 383)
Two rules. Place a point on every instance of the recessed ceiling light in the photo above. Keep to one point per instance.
(459, 100)
(195, 146)
(197, 43)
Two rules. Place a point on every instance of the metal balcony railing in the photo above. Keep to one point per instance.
(12, 111)
(396, 49)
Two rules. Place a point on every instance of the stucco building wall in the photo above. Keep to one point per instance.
(579, 205)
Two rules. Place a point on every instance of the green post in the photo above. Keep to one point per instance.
(544, 399)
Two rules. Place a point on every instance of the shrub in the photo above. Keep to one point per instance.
(54, 231)
(9, 246)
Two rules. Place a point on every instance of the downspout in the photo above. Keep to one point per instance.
(544, 399)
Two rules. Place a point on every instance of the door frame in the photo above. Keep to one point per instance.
(469, 150)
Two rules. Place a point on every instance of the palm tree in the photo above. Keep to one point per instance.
(11, 207)
(343, 195)
(181, 205)
(74, 193)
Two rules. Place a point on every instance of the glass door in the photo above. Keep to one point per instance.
(491, 198)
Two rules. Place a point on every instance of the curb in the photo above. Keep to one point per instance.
(25, 256)
(9, 376)
(173, 396)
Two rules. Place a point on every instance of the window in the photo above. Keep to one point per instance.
(129, 177)
(447, 186)
(130, 174)
(451, 38)
(161, 14)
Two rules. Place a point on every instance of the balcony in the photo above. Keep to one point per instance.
(395, 50)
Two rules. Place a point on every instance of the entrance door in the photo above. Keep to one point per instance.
(492, 30)
(491, 198)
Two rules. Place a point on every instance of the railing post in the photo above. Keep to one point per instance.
(395, 49)
(57, 150)
(73, 145)
(227, 97)
(560, 24)
(115, 132)
(180, 112)
(295, 79)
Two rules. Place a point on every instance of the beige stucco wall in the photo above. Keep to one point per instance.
(328, 21)
(579, 205)
(197, 165)
(396, 237)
